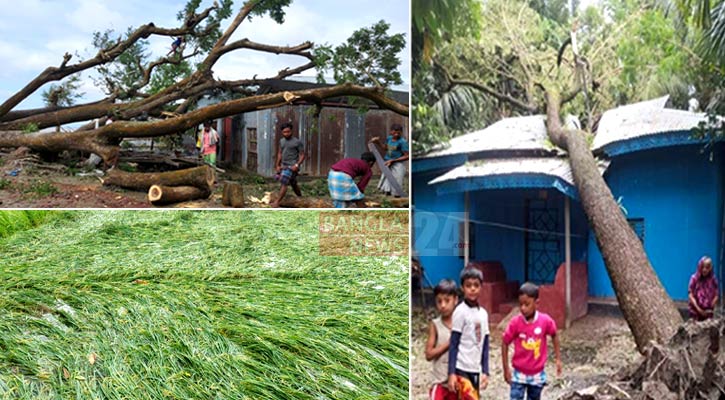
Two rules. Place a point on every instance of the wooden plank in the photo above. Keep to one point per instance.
(397, 190)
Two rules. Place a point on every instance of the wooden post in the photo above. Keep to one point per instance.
(567, 251)
(466, 233)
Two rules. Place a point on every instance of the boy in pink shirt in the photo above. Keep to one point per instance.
(528, 333)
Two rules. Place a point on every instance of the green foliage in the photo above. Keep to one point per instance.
(30, 127)
(122, 73)
(38, 188)
(127, 167)
(212, 25)
(168, 74)
(370, 57)
(136, 305)
(713, 43)
(315, 188)
(653, 62)
(4, 184)
(554, 10)
(634, 50)
(323, 56)
(22, 220)
(434, 21)
(63, 94)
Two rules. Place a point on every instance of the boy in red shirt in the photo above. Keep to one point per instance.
(528, 332)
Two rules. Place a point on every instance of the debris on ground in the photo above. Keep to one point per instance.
(691, 366)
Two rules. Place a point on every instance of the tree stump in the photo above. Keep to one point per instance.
(161, 195)
(200, 177)
(233, 195)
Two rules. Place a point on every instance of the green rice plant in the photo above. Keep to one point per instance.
(14, 221)
(197, 304)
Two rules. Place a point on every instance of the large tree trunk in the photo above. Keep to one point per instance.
(160, 195)
(200, 177)
(103, 141)
(649, 311)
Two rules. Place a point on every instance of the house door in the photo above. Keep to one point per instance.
(543, 244)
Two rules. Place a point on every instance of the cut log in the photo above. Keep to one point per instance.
(233, 195)
(200, 177)
(161, 195)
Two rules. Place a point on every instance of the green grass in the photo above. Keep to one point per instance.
(37, 189)
(15, 221)
(197, 305)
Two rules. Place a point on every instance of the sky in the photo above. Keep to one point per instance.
(34, 34)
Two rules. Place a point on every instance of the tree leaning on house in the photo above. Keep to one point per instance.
(138, 88)
(513, 66)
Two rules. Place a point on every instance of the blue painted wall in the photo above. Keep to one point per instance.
(499, 235)
(679, 193)
(436, 229)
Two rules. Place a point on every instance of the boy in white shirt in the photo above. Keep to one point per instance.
(469, 345)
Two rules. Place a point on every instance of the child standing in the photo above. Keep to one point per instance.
(528, 332)
(468, 353)
(439, 334)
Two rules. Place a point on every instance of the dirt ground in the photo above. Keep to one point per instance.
(62, 185)
(595, 347)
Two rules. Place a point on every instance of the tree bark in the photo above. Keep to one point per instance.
(199, 177)
(650, 312)
(103, 140)
(233, 195)
(162, 195)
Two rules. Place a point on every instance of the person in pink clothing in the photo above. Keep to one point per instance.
(528, 331)
(207, 141)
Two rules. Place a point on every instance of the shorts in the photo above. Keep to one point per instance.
(532, 392)
(287, 176)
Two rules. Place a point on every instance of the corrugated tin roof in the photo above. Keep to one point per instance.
(518, 133)
(643, 119)
(557, 167)
(544, 172)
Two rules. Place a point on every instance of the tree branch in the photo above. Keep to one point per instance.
(214, 54)
(51, 74)
(530, 108)
(103, 141)
(248, 44)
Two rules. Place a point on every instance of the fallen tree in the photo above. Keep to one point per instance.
(135, 97)
(522, 73)
(690, 366)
